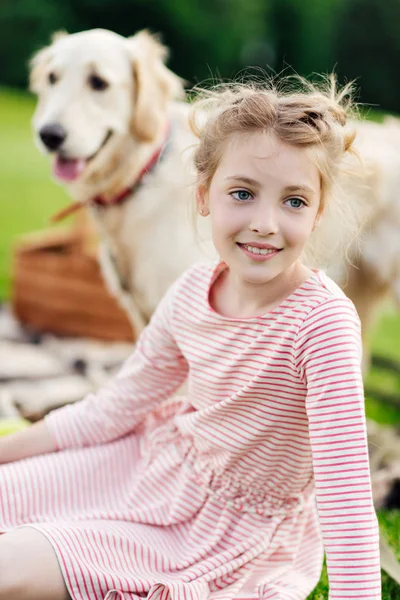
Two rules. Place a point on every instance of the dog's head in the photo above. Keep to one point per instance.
(94, 88)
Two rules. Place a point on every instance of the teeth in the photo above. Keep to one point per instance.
(259, 250)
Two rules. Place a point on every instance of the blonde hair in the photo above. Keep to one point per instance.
(303, 115)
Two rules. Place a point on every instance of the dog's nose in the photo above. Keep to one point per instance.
(52, 135)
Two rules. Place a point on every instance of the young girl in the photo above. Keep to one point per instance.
(134, 493)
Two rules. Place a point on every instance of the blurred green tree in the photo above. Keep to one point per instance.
(304, 34)
(368, 49)
(218, 38)
(206, 37)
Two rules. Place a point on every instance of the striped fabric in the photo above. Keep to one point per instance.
(229, 491)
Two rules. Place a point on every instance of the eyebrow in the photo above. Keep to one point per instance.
(289, 188)
(300, 188)
(93, 68)
(244, 179)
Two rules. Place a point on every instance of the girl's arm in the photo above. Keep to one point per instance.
(36, 439)
(329, 359)
(153, 372)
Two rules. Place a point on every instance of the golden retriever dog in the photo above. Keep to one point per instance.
(113, 117)
(111, 114)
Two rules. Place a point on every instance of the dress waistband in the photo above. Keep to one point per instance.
(245, 494)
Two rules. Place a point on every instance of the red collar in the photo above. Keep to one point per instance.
(100, 201)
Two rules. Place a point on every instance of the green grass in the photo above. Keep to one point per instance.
(390, 524)
(385, 343)
(28, 198)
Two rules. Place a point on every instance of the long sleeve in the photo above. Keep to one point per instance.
(328, 356)
(151, 374)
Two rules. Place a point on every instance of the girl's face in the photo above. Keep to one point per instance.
(263, 201)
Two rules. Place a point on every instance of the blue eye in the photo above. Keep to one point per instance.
(241, 195)
(296, 202)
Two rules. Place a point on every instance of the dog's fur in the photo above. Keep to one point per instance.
(150, 236)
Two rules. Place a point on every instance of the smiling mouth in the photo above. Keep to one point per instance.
(69, 169)
(259, 251)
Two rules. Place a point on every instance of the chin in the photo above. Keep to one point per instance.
(259, 276)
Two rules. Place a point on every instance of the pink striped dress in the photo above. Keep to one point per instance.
(232, 490)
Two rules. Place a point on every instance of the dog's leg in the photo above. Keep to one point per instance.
(118, 289)
(367, 294)
(115, 282)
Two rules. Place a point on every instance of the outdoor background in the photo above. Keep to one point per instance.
(208, 38)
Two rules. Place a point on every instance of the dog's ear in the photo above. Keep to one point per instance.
(154, 85)
(37, 66)
(39, 61)
(58, 35)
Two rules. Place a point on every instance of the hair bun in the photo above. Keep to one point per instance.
(311, 117)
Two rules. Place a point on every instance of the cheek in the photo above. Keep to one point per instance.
(42, 106)
(107, 110)
(123, 103)
(226, 221)
(298, 231)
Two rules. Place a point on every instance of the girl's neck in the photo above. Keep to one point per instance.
(232, 297)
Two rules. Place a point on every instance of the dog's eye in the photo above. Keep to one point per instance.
(97, 83)
(52, 78)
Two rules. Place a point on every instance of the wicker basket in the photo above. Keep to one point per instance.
(58, 288)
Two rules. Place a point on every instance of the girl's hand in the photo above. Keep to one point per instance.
(34, 439)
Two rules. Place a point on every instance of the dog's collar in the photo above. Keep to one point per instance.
(146, 170)
(156, 157)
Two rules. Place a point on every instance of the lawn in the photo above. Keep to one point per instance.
(28, 198)
(27, 195)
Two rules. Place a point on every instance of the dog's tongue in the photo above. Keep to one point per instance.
(68, 169)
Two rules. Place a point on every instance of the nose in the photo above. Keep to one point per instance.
(52, 135)
(264, 221)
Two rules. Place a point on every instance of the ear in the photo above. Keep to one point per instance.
(155, 86)
(58, 35)
(201, 200)
(39, 61)
(37, 66)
